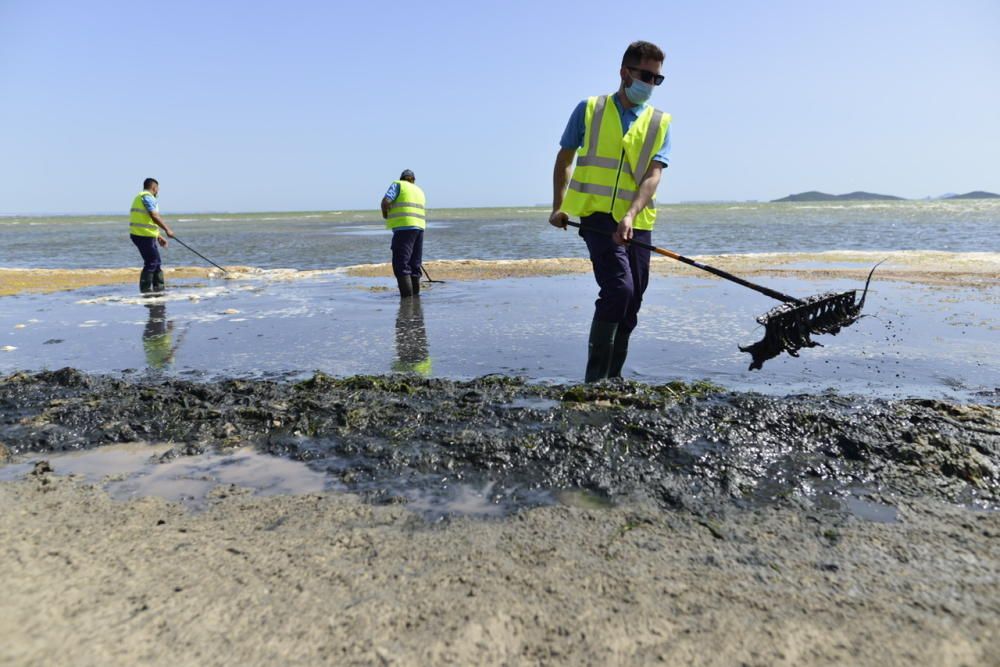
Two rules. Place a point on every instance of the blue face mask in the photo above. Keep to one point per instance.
(639, 92)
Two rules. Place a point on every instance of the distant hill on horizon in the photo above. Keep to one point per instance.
(815, 195)
(975, 194)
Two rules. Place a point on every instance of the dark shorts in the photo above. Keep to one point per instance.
(407, 252)
(149, 250)
(622, 272)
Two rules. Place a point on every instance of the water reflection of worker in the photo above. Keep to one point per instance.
(158, 337)
(412, 353)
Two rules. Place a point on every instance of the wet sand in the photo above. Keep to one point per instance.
(326, 579)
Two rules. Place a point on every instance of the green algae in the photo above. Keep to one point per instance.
(629, 393)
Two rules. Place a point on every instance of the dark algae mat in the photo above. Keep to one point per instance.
(680, 445)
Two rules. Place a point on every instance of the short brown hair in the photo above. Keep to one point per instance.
(639, 51)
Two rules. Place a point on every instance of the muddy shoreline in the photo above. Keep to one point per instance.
(679, 446)
(731, 531)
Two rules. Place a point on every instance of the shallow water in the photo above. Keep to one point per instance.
(133, 471)
(916, 341)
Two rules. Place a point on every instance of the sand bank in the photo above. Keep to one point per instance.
(42, 281)
(925, 267)
(326, 579)
(969, 269)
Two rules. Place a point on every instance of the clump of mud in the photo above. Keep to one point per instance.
(692, 446)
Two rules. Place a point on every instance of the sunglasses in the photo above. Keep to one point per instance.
(646, 75)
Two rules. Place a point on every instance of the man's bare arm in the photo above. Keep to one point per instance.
(155, 215)
(385, 207)
(561, 173)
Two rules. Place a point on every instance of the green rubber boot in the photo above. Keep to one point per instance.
(159, 284)
(415, 281)
(146, 282)
(599, 349)
(618, 353)
(405, 286)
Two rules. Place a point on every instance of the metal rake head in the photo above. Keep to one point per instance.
(789, 327)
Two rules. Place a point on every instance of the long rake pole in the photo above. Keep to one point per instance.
(200, 255)
(428, 276)
(774, 294)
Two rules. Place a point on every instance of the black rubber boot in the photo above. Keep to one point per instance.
(405, 286)
(599, 349)
(618, 353)
(146, 282)
(159, 283)
(415, 280)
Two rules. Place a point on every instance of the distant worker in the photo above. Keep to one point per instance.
(622, 145)
(144, 224)
(404, 213)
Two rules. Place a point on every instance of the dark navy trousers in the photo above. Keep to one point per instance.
(407, 252)
(622, 272)
(149, 250)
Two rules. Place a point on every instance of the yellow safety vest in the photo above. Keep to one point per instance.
(408, 209)
(140, 222)
(605, 177)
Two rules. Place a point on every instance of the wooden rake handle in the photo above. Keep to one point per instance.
(774, 294)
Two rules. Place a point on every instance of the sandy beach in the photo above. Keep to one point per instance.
(327, 579)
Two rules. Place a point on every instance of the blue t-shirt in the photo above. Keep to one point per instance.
(576, 128)
(149, 201)
(391, 195)
(392, 192)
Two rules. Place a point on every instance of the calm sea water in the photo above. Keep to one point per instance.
(340, 238)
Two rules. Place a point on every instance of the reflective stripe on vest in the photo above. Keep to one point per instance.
(140, 222)
(408, 209)
(604, 179)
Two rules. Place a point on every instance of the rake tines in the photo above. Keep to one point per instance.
(789, 327)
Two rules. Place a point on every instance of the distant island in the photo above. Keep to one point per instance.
(814, 195)
(977, 194)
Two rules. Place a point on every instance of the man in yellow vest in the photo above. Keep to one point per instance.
(404, 213)
(144, 224)
(621, 145)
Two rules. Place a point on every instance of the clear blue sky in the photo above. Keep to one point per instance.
(301, 105)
